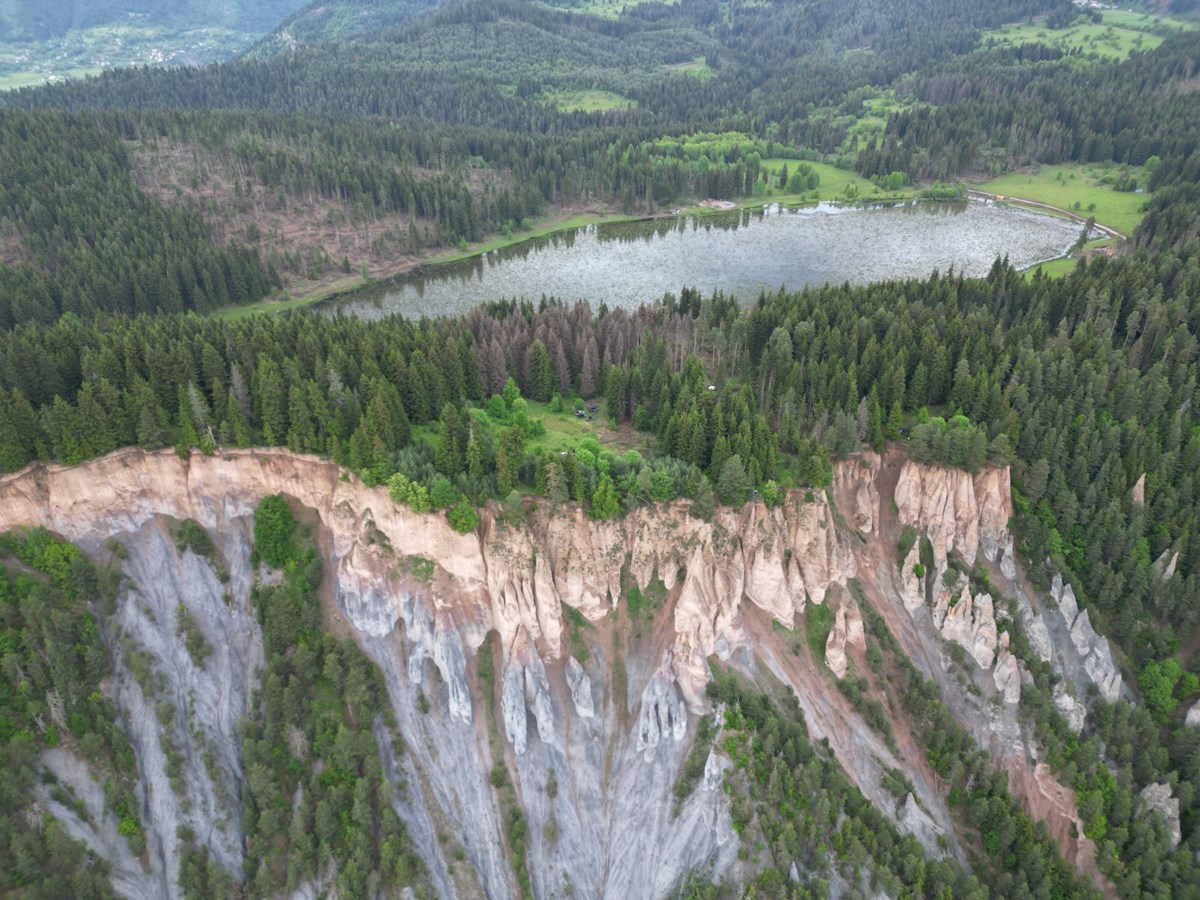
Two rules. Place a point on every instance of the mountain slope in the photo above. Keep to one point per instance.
(574, 699)
(46, 41)
(31, 20)
(339, 22)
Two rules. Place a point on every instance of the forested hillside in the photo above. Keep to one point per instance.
(1086, 385)
(485, 115)
(333, 22)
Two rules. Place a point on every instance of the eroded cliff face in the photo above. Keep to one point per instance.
(610, 730)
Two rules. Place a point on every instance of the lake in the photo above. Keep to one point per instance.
(740, 253)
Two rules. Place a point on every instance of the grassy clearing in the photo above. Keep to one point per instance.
(1147, 23)
(283, 302)
(588, 100)
(1089, 186)
(1057, 268)
(877, 106)
(1120, 34)
(564, 430)
(607, 9)
(12, 80)
(836, 184)
(697, 68)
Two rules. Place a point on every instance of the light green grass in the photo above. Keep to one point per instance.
(1082, 184)
(284, 302)
(607, 9)
(1057, 268)
(564, 431)
(589, 100)
(833, 186)
(1147, 23)
(697, 68)
(1119, 35)
(877, 107)
(14, 80)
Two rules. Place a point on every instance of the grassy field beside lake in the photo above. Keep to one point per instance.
(833, 186)
(1066, 185)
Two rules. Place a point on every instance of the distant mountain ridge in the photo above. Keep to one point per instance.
(26, 20)
(338, 21)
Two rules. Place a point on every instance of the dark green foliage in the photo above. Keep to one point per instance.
(516, 831)
(693, 766)
(200, 876)
(419, 567)
(955, 443)
(1085, 405)
(1120, 752)
(190, 535)
(197, 646)
(1022, 859)
(799, 800)
(94, 242)
(1158, 681)
(443, 494)
(274, 532)
(318, 707)
(463, 517)
(605, 504)
(855, 690)
(908, 537)
(734, 483)
(1084, 384)
(53, 662)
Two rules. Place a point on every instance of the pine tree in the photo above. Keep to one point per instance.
(875, 432)
(302, 435)
(556, 484)
(734, 483)
(605, 503)
(589, 379)
(541, 373)
(189, 437)
(18, 428)
(272, 401)
(475, 456)
(449, 456)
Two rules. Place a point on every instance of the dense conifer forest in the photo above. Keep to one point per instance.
(448, 130)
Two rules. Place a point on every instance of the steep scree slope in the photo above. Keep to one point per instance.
(587, 693)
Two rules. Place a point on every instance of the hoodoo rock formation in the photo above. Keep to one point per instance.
(611, 725)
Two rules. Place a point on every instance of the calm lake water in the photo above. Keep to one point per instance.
(741, 253)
